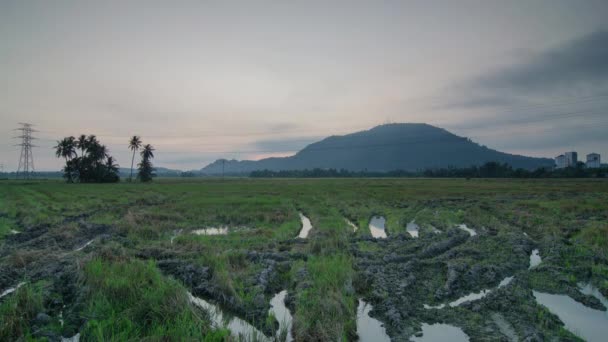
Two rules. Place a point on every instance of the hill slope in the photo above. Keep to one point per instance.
(384, 148)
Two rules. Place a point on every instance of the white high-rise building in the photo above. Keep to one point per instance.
(560, 162)
(571, 158)
(593, 160)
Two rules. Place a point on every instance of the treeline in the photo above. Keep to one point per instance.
(487, 170)
(329, 173)
(87, 160)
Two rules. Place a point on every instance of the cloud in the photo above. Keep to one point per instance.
(579, 62)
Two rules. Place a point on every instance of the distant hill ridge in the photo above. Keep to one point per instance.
(401, 146)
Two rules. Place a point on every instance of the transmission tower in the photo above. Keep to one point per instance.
(26, 160)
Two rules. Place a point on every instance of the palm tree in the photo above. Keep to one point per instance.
(146, 170)
(66, 148)
(111, 164)
(134, 145)
(147, 152)
(93, 165)
(81, 143)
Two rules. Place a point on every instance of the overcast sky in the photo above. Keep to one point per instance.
(202, 80)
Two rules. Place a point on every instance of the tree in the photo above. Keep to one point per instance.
(94, 163)
(134, 145)
(146, 170)
(66, 148)
(111, 170)
(81, 143)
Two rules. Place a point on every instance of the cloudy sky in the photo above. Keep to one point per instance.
(202, 80)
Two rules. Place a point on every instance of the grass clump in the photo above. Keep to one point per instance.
(131, 300)
(325, 309)
(18, 310)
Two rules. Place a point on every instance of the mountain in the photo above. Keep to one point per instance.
(404, 146)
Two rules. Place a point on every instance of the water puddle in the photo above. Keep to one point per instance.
(352, 225)
(15, 231)
(587, 323)
(306, 226)
(467, 229)
(470, 297)
(84, 246)
(211, 231)
(11, 290)
(369, 329)
(75, 338)
(239, 328)
(413, 229)
(376, 227)
(434, 229)
(535, 259)
(283, 316)
(441, 332)
(505, 327)
(591, 290)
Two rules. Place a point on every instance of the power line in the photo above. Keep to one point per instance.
(26, 159)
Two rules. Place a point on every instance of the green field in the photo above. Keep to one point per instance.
(132, 281)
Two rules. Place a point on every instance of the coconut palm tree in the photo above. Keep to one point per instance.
(147, 152)
(134, 145)
(81, 143)
(66, 148)
(146, 170)
(93, 165)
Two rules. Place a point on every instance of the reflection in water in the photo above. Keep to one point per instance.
(595, 292)
(238, 327)
(441, 332)
(376, 227)
(11, 290)
(412, 229)
(590, 324)
(369, 329)
(176, 233)
(434, 229)
(467, 229)
(84, 246)
(306, 226)
(282, 314)
(470, 297)
(352, 225)
(504, 326)
(211, 231)
(75, 338)
(535, 259)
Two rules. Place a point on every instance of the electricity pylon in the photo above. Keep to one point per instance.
(26, 160)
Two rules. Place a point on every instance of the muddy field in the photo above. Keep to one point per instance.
(305, 260)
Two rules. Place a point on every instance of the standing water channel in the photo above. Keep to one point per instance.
(585, 322)
(535, 259)
(377, 227)
(441, 333)
(413, 229)
(471, 297)
(369, 329)
(306, 227)
(282, 314)
(241, 329)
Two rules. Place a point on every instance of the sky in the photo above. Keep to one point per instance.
(202, 80)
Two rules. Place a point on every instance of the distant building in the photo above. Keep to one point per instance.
(560, 162)
(571, 158)
(593, 160)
